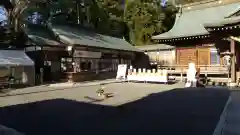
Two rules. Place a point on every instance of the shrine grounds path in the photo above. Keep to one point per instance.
(135, 108)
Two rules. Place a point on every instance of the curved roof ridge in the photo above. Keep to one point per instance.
(234, 12)
(198, 3)
(207, 4)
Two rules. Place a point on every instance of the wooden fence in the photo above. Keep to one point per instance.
(216, 73)
(204, 69)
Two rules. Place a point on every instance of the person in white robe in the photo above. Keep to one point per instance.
(191, 76)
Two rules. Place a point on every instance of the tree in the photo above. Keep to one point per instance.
(113, 8)
(145, 18)
(15, 10)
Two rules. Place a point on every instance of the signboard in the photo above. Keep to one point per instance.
(87, 54)
(121, 72)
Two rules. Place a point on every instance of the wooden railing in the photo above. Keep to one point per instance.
(204, 69)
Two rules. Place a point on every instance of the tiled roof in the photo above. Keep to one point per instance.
(41, 35)
(80, 36)
(191, 22)
(225, 21)
(232, 19)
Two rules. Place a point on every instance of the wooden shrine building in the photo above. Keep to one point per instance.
(203, 33)
(76, 53)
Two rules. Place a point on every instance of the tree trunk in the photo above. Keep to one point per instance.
(16, 26)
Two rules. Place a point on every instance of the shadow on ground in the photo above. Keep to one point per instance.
(179, 111)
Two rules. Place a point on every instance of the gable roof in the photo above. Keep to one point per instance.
(81, 36)
(191, 22)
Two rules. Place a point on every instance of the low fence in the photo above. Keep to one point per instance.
(216, 73)
(204, 69)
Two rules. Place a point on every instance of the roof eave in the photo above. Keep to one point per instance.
(187, 37)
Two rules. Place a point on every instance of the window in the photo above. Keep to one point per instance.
(106, 64)
(67, 65)
(86, 66)
(89, 65)
(4, 71)
(214, 57)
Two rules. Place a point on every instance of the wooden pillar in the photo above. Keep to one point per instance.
(233, 61)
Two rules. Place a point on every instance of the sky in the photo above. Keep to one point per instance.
(3, 15)
(163, 3)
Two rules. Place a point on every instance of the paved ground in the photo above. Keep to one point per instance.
(233, 119)
(123, 93)
(8, 131)
(134, 109)
(54, 87)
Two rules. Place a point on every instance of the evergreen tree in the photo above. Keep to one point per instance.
(147, 17)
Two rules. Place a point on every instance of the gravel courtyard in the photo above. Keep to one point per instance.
(123, 93)
(135, 109)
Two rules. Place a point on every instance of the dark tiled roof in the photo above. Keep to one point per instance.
(155, 47)
(41, 35)
(191, 22)
(81, 36)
